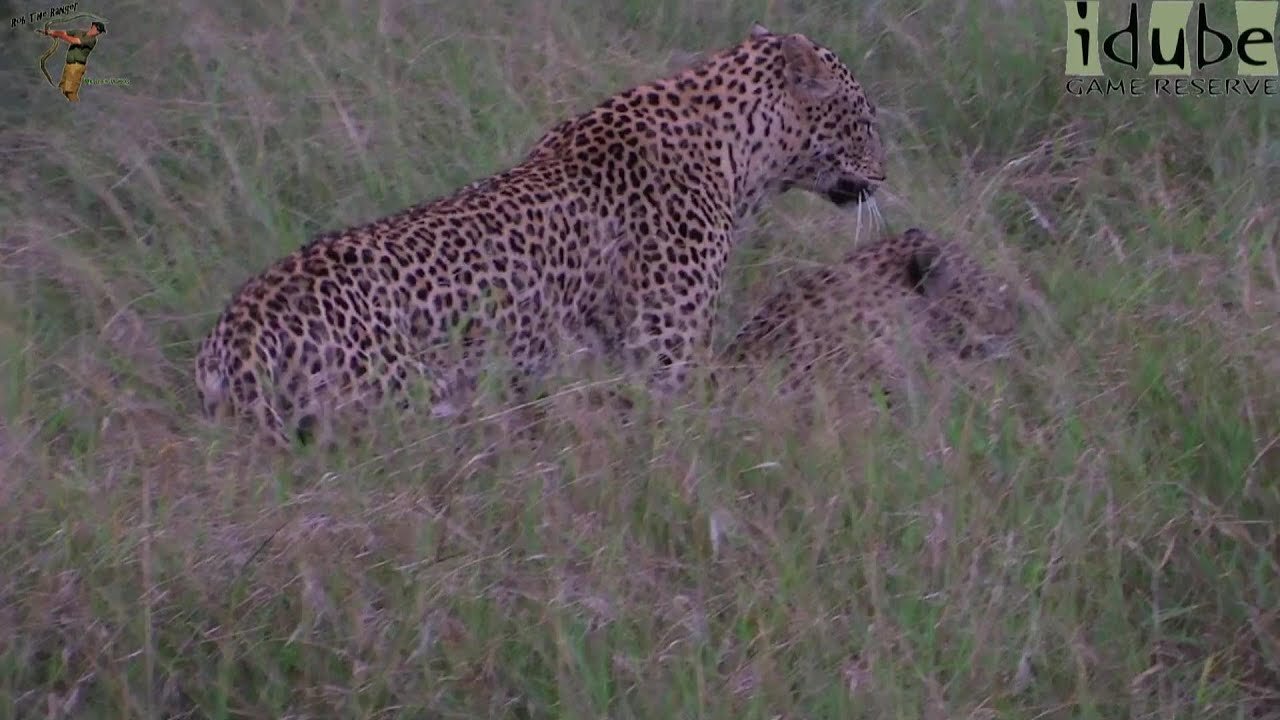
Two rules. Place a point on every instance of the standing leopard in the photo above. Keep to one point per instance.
(611, 234)
(851, 322)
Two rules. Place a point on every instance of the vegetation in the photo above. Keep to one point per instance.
(1092, 535)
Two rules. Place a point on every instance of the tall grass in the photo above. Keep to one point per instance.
(1092, 536)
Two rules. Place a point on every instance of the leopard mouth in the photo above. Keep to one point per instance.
(848, 191)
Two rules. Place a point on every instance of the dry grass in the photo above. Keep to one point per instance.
(1092, 536)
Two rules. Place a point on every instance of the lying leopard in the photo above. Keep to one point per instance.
(857, 322)
(612, 234)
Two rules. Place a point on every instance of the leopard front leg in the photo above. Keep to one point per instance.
(674, 288)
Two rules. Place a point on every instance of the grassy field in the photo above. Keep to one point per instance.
(1092, 536)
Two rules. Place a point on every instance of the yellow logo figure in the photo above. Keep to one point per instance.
(81, 42)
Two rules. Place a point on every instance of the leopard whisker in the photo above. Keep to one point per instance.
(857, 229)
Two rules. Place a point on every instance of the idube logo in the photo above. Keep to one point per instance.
(1174, 68)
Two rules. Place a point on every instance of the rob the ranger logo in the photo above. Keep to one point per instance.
(1166, 45)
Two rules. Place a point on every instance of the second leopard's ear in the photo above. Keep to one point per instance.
(759, 31)
(928, 272)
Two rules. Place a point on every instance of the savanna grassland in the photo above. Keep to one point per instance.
(1089, 534)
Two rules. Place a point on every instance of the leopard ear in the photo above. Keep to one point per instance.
(915, 235)
(807, 75)
(928, 272)
(759, 31)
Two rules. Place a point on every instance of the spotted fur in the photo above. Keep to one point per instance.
(612, 234)
(853, 321)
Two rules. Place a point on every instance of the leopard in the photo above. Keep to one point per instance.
(853, 325)
(611, 235)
